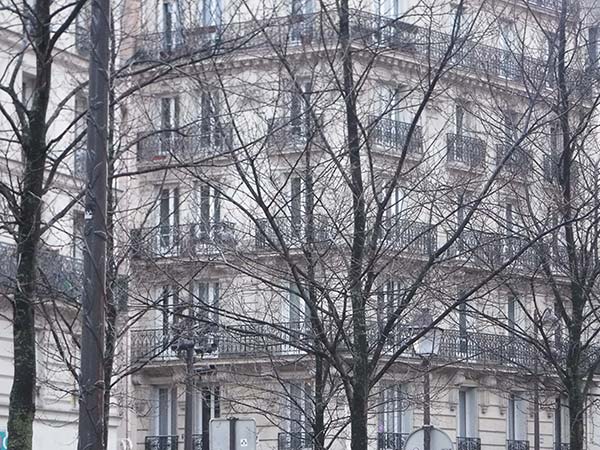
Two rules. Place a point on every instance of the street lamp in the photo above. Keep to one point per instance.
(426, 347)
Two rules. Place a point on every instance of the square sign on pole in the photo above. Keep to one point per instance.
(232, 434)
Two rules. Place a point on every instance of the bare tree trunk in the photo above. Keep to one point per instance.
(21, 412)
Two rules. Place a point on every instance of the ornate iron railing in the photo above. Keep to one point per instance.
(518, 161)
(294, 441)
(293, 232)
(479, 247)
(200, 441)
(366, 29)
(512, 444)
(466, 150)
(468, 443)
(161, 442)
(484, 348)
(412, 236)
(184, 144)
(184, 240)
(391, 441)
(57, 274)
(392, 135)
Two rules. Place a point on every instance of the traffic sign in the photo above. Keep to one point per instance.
(439, 440)
(232, 434)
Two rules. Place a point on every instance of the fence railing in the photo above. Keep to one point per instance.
(165, 442)
(513, 444)
(392, 135)
(467, 150)
(468, 443)
(57, 274)
(184, 240)
(302, 30)
(391, 441)
(184, 144)
(293, 232)
(414, 237)
(294, 441)
(517, 162)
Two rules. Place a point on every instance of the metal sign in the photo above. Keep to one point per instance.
(3, 440)
(232, 434)
(439, 440)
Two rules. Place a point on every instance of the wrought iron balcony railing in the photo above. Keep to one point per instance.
(185, 240)
(392, 135)
(200, 441)
(414, 237)
(484, 348)
(479, 247)
(281, 339)
(518, 161)
(291, 130)
(366, 29)
(57, 274)
(295, 440)
(165, 442)
(188, 143)
(562, 446)
(468, 443)
(391, 441)
(513, 444)
(293, 232)
(467, 150)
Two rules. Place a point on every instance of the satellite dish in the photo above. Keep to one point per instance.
(439, 440)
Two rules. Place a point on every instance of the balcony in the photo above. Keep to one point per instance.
(256, 340)
(465, 150)
(187, 240)
(291, 131)
(200, 441)
(484, 348)
(468, 443)
(512, 444)
(418, 238)
(518, 162)
(391, 441)
(189, 144)
(57, 274)
(161, 442)
(391, 135)
(296, 440)
(562, 446)
(479, 247)
(293, 233)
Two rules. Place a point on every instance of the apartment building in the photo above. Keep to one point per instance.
(248, 216)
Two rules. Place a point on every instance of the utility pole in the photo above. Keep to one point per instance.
(91, 381)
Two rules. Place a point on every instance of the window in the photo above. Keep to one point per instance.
(394, 417)
(168, 220)
(516, 418)
(298, 108)
(80, 129)
(169, 311)
(207, 406)
(561, 421)
(165, 411)
(169, 122)
(299, 411)
(27, 90)
(206, 212)
(391, 8)
(210, 127)
(301, 26)
(593, 46)
(389, 299)
(507, 38)
(463, 326)
(82, 29)
(172, 25)
(78, 234)
(212, 13)
(467, 413)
